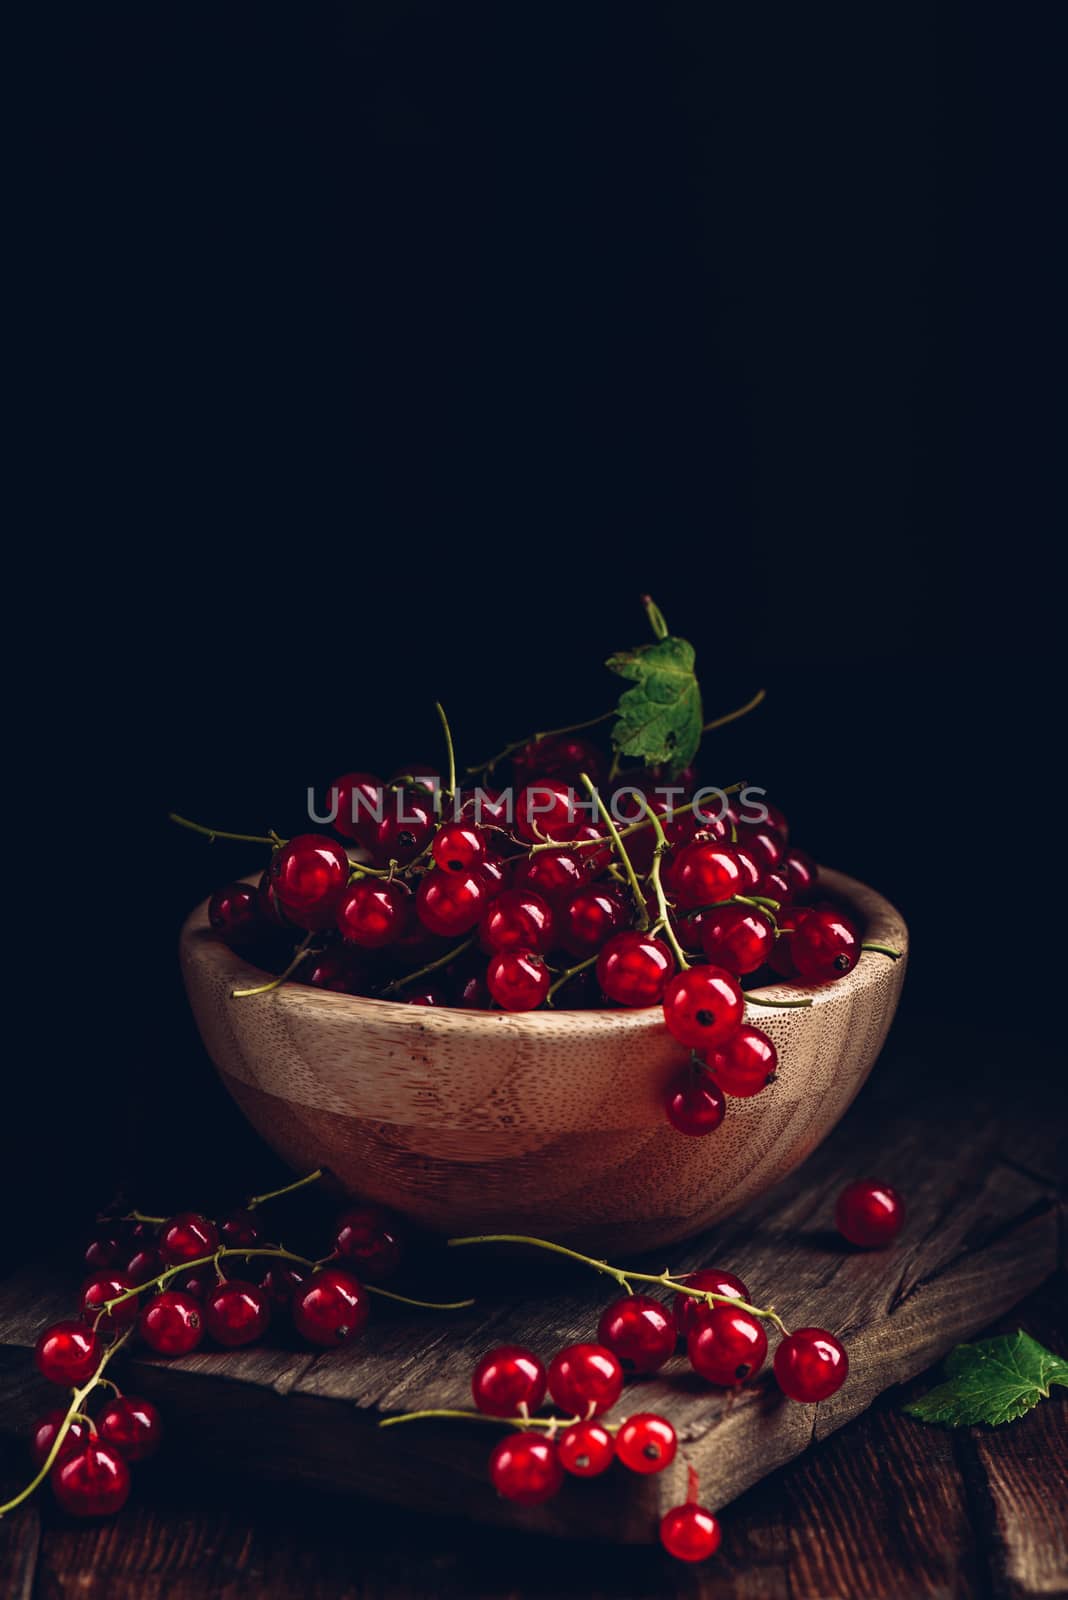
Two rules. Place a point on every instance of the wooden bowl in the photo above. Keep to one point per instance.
(549, 1123)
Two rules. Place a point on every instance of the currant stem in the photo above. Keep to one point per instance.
(571, 972)
(74, 1410)
(431, 966)
(219, 833)
(628, 865)
(663, 920)
(139, 1216)
(265, 988)
(882, 949)
(545, 1244)
(290, 1188)
(523, 1421)
(423, 1305)
(440, 709)
(732, 716)
(784, 1005)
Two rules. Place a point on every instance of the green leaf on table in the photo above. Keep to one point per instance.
(659, 719)
(994, 1381)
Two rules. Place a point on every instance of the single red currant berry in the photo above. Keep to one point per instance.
(585, 1379)
(187, 1237)
(694, 1103)
(331, 1308)
(485, 808)
(553, 874)
(108, 1286)
(869, 1214)
(374, 913)
(241, 1230)
(336, 970)
(518, 980)
(595, 857)
(526, 1469)
(810, 1365)
(432, 995)
(646, 1443)
(710, 1280)
(765, 842)
(690, 1533)
(94, 1482)
(131, 1426)
(281, 1281)
(105, 1250)
(237, 1313)
(703, 1006)
(406, 827)
(67, 1353)
(234, 913)
(633, 969)
(736, 938)
(586, 1449)
(309, 876)
(517, 919)
(370, 1238)
(198, 1282)
(639, 1331)
(727, 1345)
(547, 809)
(780, 957)
(172, 1324)
(450, 903)
(776, 819)
(826, 945)
(752, 871)
(358, 799)
(745, 1063)
(494, 875)
(271, 914)
(587, 919)
(458, 847)
(507, 1378)
(44, 1437)
(145, 1263)
(800, 871)
(704, 873)
(775, 885)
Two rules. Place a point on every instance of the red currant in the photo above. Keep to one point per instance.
(745, 1063)
(281, 1281)
(639, 1331)
(405, 830)
(704, 873)
(271, 914)
(558, 755)
(94, 1482)
(646, 1443)
(736, 938)
(131, 1426)
(826, 945)
(108, 1286)
(869, 1214)
(358, 797)
(172, 1324)
(690, 1533)
(633, 969)
(373, 912)
(810, 1365)
(727, 1345)
(44, 1437)
(517, 919)
(187, 1237)
(507, 1378)
(586, 1449)
(703, 1006)
(309, 875)
(450, 903)
(800, 872)
(430, 996)
(780, 958)
(752, 871)
(526, 1469)
(237, 1313)
(371, 1239)
(484, 807)
(776, 886)
(331, 1308)
(241, 1230)
(234, 913)
(458, 847)
(710, 1280)
(336, 970)
(585, 1379)
(518, 979)
(694, 1103)
(587, 919)
(595, 858)
(765, 842)
(547, 809)
(553, 874)
(67, 1353)
(198, 1282)
(105, 1250)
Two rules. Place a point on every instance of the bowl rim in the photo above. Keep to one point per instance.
(200, 946)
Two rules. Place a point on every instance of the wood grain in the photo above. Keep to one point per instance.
(549, 1123)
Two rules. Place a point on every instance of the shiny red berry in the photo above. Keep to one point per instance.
(703, 1006)
(633, 969)
(187, 1237)
(745, 1063)
(547, 809)
(639, 1330)
(234, 913)
(517, 919)
(67, 1353)
(371, 1239)
(518, 980)
(94, 1482)
(825, 946)
(331, 1308)
(337, 970)
(727, 1345)
(198, 1282)
(406, 828)
(526, 1469)
(359, 801)
(736, 938)
(105, 1286)
(703, 873)
(780, 957)
(586, 1449)
(450, 903)
(309, 876)
(587, 919)
(800, 870)
(710, 1280)
(458, 847)
(172, 1324)
(585, 1379)
(775, 885)
(374, 912)
(241, 1230)
(810, 1365)
(751, 869)
(507, 1378)
(131, 1426)
(281, 1281)
(432, 995)
(869, 1214)
(145, 1263)
(694, 1103)
(237, 1313)
(553, 874)
(690, 1533)
(44, 1436)
(106, 1249)
(646, 1443)
(765, 842)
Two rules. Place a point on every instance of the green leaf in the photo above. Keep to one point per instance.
(660, 718)
(994, 1381)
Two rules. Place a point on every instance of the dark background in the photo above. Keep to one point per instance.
(384, 353)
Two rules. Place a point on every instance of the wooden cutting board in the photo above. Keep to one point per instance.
(982, 1231)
